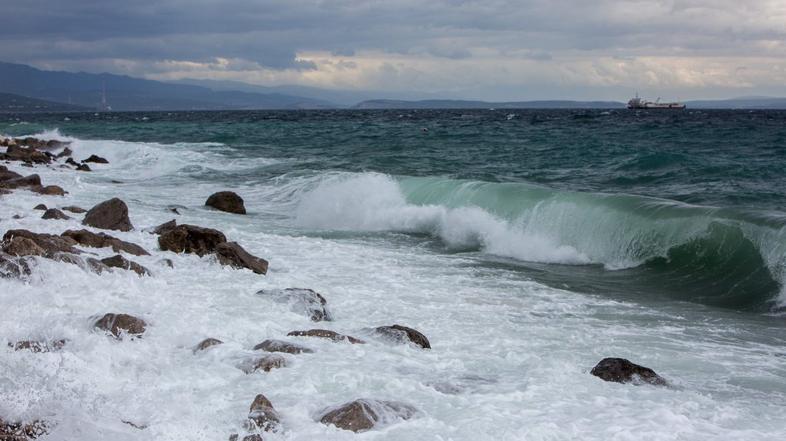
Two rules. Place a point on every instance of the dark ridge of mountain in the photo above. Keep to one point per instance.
(462, 104)
(127, 93)
(750, 103)
(12, 103)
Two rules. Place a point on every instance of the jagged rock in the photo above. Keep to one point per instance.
(118, 261)
(163, 228)
(66, 152)
(191, 239)
(97, 159)
(20, 431)
(118, 324)
(49, 242)
(325, 333)
(38, 346)
(226, 201)
(101, 240)
(620, 370)
(364, 414)
(49, 190)
(13, 267)
(74, 209)
(232, 254)
(26, 154)
(40, 207)
(111, 214)
(262, 416)
(301, 300)
(83, 167)
(206, 343)
(403, 334)
(26, 181)
(70, 161)
(54, 213)
(22, 246)
(265, 364)
(282, 346)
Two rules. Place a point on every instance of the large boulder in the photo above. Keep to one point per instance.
(232, 254)
(54, 213)
(50, 243)
(25, 181)
(97, 159)
(226, 201)
(111, 214)
(101, 240)
(364, 414)
(403, 334)
(6, 174)
(620, 370)
(191, 239)
(282, 346)
(301, 300)
(118, 261)
(328, 334)
(120, 324)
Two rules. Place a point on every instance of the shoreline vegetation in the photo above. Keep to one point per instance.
(21, 247)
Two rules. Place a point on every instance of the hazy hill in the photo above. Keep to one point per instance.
(127, 93)
(755, 102)
(11, 103)
(461, 104)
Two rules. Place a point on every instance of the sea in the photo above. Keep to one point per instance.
(527, 245)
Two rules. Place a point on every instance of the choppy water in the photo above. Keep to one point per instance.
(527, 246)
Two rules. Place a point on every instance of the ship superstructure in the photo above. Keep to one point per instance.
(639, 103)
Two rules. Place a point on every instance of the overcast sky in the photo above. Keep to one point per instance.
(482, 49)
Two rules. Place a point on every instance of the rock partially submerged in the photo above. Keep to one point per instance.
(262, 416)
(111, 214)
(191, 239)
(13, 267)
(54, 213)
(325, 333)
(403, 334)
(41, 207)
(232, 254)
(50, 243)
(121, 324)
(282, 346)
(28, 155)
(97, 159)
(38, 346)
(365, 414)
(226, 201)
(74, 209)
(301, 300)
(21, 181)
(620, 370)
(18, 431)
(265, 364)
(49, 190)
(206, 343)
(118, 261)
(102, 240)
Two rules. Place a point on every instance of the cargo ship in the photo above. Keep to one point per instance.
(638, 103)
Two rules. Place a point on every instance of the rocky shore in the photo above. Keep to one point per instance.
(22, 249)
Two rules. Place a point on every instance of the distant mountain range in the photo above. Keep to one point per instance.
(27, 89)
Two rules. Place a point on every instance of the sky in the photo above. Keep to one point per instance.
(489, 49)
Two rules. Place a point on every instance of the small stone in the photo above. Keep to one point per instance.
(620, 370)
(265, 364)
(403, 333)
(97, 159)
(363, 414)
(282, 346)
(40, 207)
(117, 324)
(54, 213)
(74, 209)
(206, 343)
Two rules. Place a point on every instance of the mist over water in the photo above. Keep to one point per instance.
(526, 249)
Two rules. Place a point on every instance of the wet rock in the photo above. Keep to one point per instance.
(38, 346)
(232, 254)
(301, 300)
(118, 261)
(97, 159)
(282, 346)
(6, 174)
(265, 364)
(620, 370)
(49, 190)
(226, 201)
(101, 240)
(119, 324)
(163, 228)
(364, 414)
(22, 246)
(54, 213)
(206, 343)
(402, 334)
(40, 207)
(262, 416)
(65, 153)
(25, 181)
(166, 262)
(25, 154)
(111, 214)
(191, 239)
(21, 431)
(74, 209)
(70, 161)
(50, 243)
(325, 333)
(13, 267)
(83, 167)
